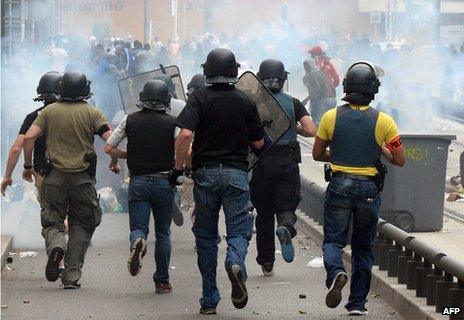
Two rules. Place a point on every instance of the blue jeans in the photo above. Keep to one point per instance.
(346, 197)
(148, 194)
(215, 187)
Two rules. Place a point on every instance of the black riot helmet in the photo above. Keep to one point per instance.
(362, 78)
(49, 87)
(74, 86)
(168, 80)
(272, 68)
(156, 91)
(220, 62)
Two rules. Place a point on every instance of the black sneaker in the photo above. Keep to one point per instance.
(72, 285)
(358, 312)
(52, 270)
(239, 292)
(138, 250)
(285, 239)
(207, 310)
(268, 269)
(334, 296)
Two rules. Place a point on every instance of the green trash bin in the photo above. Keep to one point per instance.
(413, 196)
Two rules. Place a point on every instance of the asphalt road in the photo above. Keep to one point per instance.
(109, 292)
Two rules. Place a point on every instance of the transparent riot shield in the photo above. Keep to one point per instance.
(130, 87)
(274, 118)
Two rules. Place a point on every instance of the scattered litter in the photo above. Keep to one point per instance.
(4, 306)
(172, 268)
(9, 260)
(304, 248)
(278, 252)
(392, 312)
(302, 296)
(91, 316)
(255, 312)
(140, 315)
(303, 312)
(8, 268)
(28, 254)
(375, 295)
(316, 263)
(26, 301)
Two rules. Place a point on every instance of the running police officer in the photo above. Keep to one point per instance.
(68, 188)
(275, 183)
(225, 121)
(150, 136)
(48, 92)
(358, 135)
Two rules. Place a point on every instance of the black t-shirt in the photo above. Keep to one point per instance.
(224, 120)
(39, 144)
(300, 110)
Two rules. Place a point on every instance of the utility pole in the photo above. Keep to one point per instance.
(145, 21)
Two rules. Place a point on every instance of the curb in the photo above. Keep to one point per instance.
(396, 295)
(7, 243)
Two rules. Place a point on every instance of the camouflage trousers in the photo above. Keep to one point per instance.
(70, 194)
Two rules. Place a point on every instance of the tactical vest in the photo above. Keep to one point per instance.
(286, 102)
(150, 142)
(353, 143)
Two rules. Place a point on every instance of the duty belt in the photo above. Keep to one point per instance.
(163, 174)
(352, 176)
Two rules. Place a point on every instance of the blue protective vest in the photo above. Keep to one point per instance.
(286, 101)
(353, 143)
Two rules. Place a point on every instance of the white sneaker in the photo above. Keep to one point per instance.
(356, 312)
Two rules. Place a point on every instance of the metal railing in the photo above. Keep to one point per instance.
(421, 267)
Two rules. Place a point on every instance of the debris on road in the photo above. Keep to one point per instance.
(26, 301)
(316, 263)
(4, 306)
(302, 296)
(303, 312)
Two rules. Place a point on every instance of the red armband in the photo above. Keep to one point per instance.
(394, 144)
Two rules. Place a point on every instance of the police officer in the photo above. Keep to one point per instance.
(225, 121)
(150, 136)
(275, 183)
(358, 135)
(48, 92)
(176, 105)
(68, 188)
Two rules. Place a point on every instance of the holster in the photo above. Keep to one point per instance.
(327, 172)
(47, 167)
(379, 178)
(91, 158)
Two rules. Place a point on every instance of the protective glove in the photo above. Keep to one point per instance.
(176, 177)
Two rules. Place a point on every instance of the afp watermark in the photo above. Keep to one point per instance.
(451, 311)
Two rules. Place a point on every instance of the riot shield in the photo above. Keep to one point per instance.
(274, 118)
(130, 87)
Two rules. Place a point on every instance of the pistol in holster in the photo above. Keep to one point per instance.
(379, 178)
(91, 158)
(327, 172)
(47, 167)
